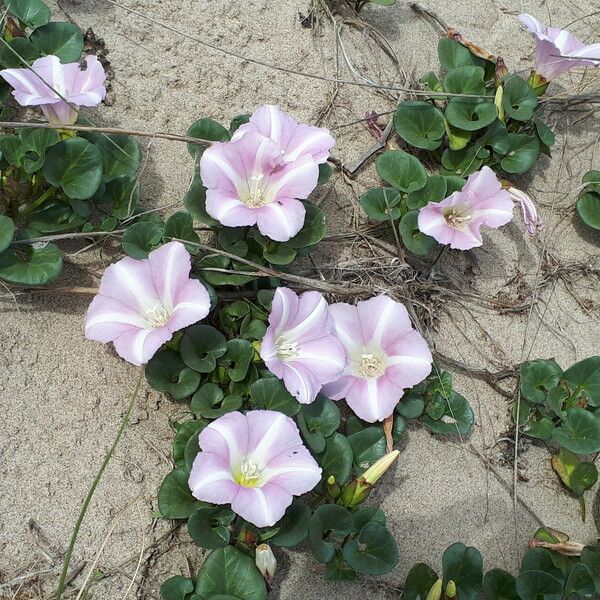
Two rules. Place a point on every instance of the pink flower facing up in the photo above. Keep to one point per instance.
(456, 220)
(553, 43)
(533, 221)
(248, 183)
(141, 303)
(295, 139)
(256, 462)
(300, 346)
(385, 356)
(38, 86)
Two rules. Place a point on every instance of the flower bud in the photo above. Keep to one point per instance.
(266, 562)
(533, 221)
(376, 471)
(498, 102)
(435, 593)
(567, 548)
(451, 589)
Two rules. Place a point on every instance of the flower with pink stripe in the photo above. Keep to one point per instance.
(141, 303)
(249, 183)
(385, 356)
(256, 462)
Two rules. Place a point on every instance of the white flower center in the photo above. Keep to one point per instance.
(157, 316)
(248, 474)
(256, 192)
(371, 366)
(286, 350)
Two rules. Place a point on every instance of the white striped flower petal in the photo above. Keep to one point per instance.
(385, 356)
(248, 183)
(48, 83)
(456, 220)
(296, 139)
(141, 303)
(256, 462)
(300, 346)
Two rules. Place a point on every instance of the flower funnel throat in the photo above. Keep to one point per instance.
(299, 346)
(385, 356)
(256, 462)
(141, 303)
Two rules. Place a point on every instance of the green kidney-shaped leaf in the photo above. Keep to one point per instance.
(175, 500)
(166, 372)
(588, 207)
(227, 572)
(141, 238)
(30, 265)
(179, 226)
(34, 13)
(538, 585)
(523, 151)
(460, 163)
(293, 527)
(210, 402)
(457, 419)
(208, 526)
(411, 405)
(121, 154)
(313, 230)
(583, 379)
(464, 566)
(538, 377)
(421, 124)
(337, 569)
(206, 129)
(373, 551)
(381, 203)
(470, 114)
(499, 585)
(580, 583)
(368, 446)
(75, 165)
(269, 393)
(201, 346)
(434, 191)
(195, 201)
(579, 432)
(318, 421)
(14, 51)
(60, 39)
(414, 239)
(123, 194)
(401, 170)
(238, 358)
(7, 232)
(34, 145)
(336, 459)
(452, 54)
(177, 588)
(328, 520)
(185, 432)
(519, 99)
(465, 80)
(419, 582)
(576, 474)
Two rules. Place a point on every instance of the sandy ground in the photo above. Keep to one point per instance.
(63, 397)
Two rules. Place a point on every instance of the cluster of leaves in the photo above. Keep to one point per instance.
(588, 203)
(476, 116)
(54, 182)
(563, 407)
(544, 575)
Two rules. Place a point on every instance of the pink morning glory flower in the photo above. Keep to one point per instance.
(79, 87)
(300, 346)
(385, 356)
(256, 462)
(553, 43)
(141, 303)
(248, 183)
(456, 220)
(295, 139)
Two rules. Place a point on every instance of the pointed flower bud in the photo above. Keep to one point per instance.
(374, 473)
(451, 589)
(435, 593)
(567, 548)
(266, 562)
(533, 221)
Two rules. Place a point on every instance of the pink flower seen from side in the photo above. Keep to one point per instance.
(141, 303)
(456, 220)
(385, 356)
(248, 183)
(553, 43)
(300, 346)
(256, 462)
(533, 222)
(295, 139)
(38, 86)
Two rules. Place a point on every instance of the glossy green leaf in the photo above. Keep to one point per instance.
(538, 377)
(420, 124)
(318, 421)
(434, 191)
(368, 446)
(588, 207)
(269, 393)
(381, 203)
(222, 262)
(61, 39)
(34, 13)
(34, 145)
(590, 557)
(411, 406)
(325, 172)
(237, 358)
(470, 114)
(121, 154)
(579, 432)
(229, 572)
(237, 122)
(210, 402)
(337, 569)
(141, 238)
(293, 527)
(519, 100)
(75, 165)
(373, 551)
(175, 500)
(166, 372)
(176, 588)
(457, 138)
(13, 51)
(457, 419)
(191, 450)
(336, 459)
(580, 583)
(369, 514)
(179, 226)
(313, 230)
(499, 585)
(31, 265)
(414, 239)
(452, 54)
(522, 153)
(541, 429)
(206, 129)
(280, 254)
(419, 582)
(195, 201)
(327, 522)
(576, 474)
(208, 526)
(185, 431)
(583, 378)
(201, 346)
(538, 585)
(461, 162)
(7, 232)
(401, 170)
(464, 565)
(123, 193)
(468, 79)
